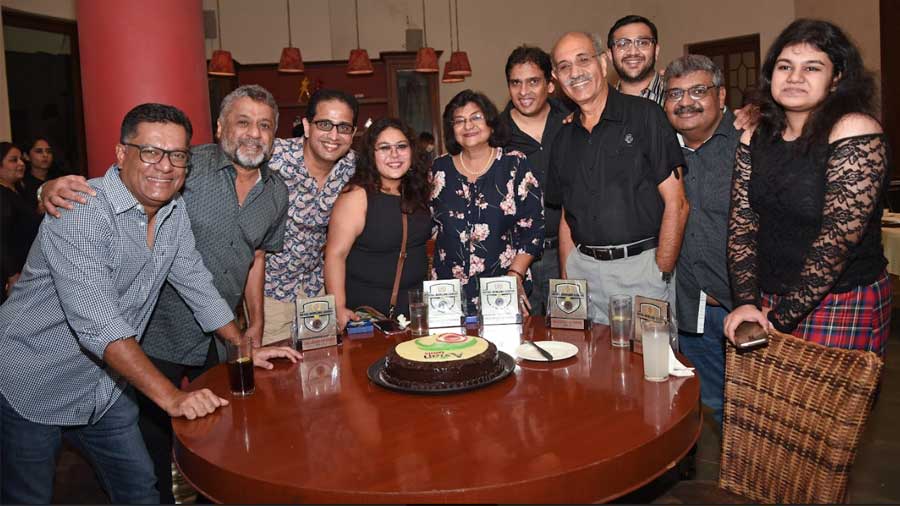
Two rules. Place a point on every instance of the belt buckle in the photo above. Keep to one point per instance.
(603, 254)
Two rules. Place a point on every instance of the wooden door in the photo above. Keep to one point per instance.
(738, 57)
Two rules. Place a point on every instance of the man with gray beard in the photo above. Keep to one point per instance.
(238, 209)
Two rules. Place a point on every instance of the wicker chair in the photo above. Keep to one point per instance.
(794, 415)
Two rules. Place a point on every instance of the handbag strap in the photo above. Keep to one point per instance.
(400, 261)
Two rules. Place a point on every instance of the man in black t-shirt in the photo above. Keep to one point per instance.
(616, 171)
(534, 118)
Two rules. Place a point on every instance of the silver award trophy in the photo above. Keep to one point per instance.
(567, 306)
(499, 300)
(315, 324)
(444, 300)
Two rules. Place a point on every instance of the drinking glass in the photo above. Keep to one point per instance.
(655, 338)
(240, 366)
(418, 321)
(621, 319)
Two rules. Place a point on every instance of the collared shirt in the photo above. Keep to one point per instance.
(654, 91)
(227, 235)
(702, 263)
(607, 179)
(538, 153)
(297, 269)
(91, 280)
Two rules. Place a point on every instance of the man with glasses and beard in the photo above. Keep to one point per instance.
(237, 205)
(633, 48)
(616, 172)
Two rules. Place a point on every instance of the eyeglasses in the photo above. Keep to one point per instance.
(475, 118)
(326, 125)
(582, 60)
(151, 154)
(696, 92)
(385, 149)
(640, 43)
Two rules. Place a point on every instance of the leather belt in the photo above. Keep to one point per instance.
(551, 243)
(616, 252)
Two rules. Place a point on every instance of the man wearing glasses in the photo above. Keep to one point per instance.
(633, 48)
(695, 106)
(616, 171)
(315, 169)
(69, 333)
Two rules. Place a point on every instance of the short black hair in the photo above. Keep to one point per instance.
(499, 129)
(529, 54)
(325, 95)
(628, 20)
(153, 113)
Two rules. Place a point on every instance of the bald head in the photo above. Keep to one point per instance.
(577, 37)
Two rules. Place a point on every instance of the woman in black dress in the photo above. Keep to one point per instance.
(19, 220)
(365, 230)
(40, 166)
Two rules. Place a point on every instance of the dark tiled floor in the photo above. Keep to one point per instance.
(873, 480)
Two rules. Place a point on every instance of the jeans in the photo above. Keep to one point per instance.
(542, 271)
(113, 445)
(707, 352)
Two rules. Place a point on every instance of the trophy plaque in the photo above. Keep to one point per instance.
(567, 306)
(499, 300)
(444, 300)
(646, 308)
(315, 324)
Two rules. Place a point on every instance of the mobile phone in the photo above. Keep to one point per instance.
(387, 326)
(750, 335)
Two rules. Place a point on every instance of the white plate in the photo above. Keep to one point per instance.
(559, 349)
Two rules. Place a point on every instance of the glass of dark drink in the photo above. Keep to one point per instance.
(240, 367)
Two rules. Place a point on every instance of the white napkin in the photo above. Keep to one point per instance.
(676, 368)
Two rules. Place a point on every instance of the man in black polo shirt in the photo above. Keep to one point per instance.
(616, 171)
(534, 119)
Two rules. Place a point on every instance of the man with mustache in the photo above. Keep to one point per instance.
(616, 171)
(633, 48)
(238, 207)
(535, 118)
(695, 106)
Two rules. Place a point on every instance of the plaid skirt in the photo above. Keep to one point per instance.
(859, 319)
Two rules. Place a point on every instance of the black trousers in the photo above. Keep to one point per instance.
(156, 424)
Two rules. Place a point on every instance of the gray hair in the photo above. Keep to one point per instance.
(596, 42)
(254, 92)
(695, 63)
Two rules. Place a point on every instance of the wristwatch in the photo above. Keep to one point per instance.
(666, 276)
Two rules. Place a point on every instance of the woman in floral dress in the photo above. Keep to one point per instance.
(486, 203)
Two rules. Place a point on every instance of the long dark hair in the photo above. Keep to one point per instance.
(853, 93)
(415, 189)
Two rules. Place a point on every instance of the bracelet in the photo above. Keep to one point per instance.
(517, 273)
(40, 190)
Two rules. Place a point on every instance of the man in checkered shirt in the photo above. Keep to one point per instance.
(69, 332)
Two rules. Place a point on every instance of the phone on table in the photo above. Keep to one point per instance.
(388, 326)
(750, 335)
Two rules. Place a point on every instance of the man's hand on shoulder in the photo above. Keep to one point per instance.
(746, 118)
(63, 192)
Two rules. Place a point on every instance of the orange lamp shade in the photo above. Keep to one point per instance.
(221, 64)
(459, 63)
(448, 77)
(291, 61)
(359, 63)
(427, 60)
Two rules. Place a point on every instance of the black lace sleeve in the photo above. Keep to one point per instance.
(854, 179)
(743, 224)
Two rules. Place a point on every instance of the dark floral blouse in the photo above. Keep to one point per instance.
(480, 227)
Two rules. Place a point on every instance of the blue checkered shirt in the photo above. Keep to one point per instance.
(90, 280)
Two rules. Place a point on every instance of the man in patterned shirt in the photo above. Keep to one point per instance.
(69, 332)
(633, 48)
(315, 169)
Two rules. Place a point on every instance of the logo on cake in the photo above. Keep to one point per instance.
(447, 346)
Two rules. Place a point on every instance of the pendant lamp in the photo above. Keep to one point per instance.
(221, 63)
(459, 60)
(359, 63)
(448, 65)
(426, 58)
(291, 61)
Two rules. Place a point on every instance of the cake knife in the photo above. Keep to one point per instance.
(546, 354)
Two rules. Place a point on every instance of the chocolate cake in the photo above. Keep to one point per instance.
(442, 361)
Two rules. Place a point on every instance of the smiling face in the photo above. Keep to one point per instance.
(328, 147)
(393, 156)
(12, 169)
(634, 64)
(469, 126)
(579, 69)
(41, 155)
(803, 76)
(695, 117)
(247, 132)
(528, 88)
(152, 184)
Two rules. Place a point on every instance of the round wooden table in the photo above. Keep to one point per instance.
(585, 429)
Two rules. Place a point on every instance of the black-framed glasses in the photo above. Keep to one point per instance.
(180, 158)
(640, 43)
(696, 92)
(563, 68)
(327, 125)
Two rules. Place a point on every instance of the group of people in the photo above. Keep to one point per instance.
(773, 217)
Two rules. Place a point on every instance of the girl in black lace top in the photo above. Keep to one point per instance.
(804, 246)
